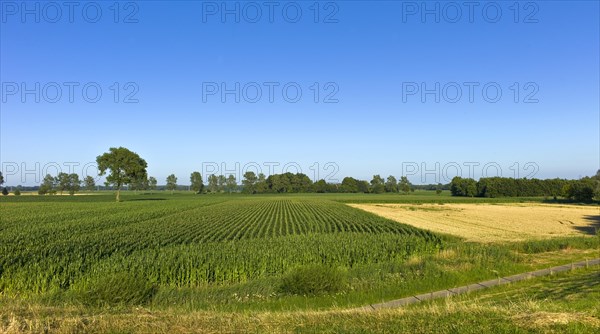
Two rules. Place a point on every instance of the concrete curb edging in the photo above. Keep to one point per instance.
(477, 286)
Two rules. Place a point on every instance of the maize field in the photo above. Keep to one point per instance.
(48, 246)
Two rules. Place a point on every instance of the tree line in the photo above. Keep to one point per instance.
(125, 167)
(582, 190)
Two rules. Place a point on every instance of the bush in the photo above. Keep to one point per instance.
(5, 191)
(115, 289)
(17, 192)
(313, 280)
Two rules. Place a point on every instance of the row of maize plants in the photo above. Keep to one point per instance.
(191, 242)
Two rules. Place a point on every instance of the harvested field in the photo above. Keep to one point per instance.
(494, 222)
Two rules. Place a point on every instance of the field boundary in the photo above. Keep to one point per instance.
(478, 286)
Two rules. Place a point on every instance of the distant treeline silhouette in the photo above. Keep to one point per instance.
(582, 190)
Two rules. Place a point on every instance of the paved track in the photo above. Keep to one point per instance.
(478, 286)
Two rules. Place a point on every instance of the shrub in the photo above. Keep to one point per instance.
(313, 280)
(17, 192)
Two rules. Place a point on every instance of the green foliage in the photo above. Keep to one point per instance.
(152, 182)
(249, 182)
(114, 289)
(233, 252)
(17, 192)
(73, 183)
(47, 186)
(289, 183)
(188, 243)
(582, 190)
(62, 182)
(140, 182)
(89, 183)
(171, 182)
(4, 191)
(221, 182)
(1, 179)
(350, 185)
(125, 167)
(391, 184)
(231, 183)
(463, 187)
(549, 245)
(196, 182)
(404, 185)
(213, 183)
(363, 186)
(320, 186)
(313, 280)
(261, 184)
(377, 184)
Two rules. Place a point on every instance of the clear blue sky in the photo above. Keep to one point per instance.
(366, 55)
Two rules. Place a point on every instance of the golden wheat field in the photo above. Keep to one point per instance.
(493, 222)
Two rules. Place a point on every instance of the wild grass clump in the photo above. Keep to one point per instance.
(550, 245)
(313, 280)
(114, 289)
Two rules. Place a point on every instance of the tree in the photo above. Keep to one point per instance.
(279, 183)
(171, 183)
(221, 181)
(377, 185)
(17, 191)
(363, 186)
(1, 179)
(62, 181)
(261, 185)
(196, 182)
(140, 182)
(89, 183)
(302, 183)
(350, 185)
(320, 186)
(471, 188)
(5, 191)
(213, 183)
(597, 189)
(404, 185)
(152, 183)
(73, 184)
(125, 166)
(468, 187)
(231, 183)
(580, 190)
(249, 183)
(391, 185)
(438, 188)
(47, 186)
